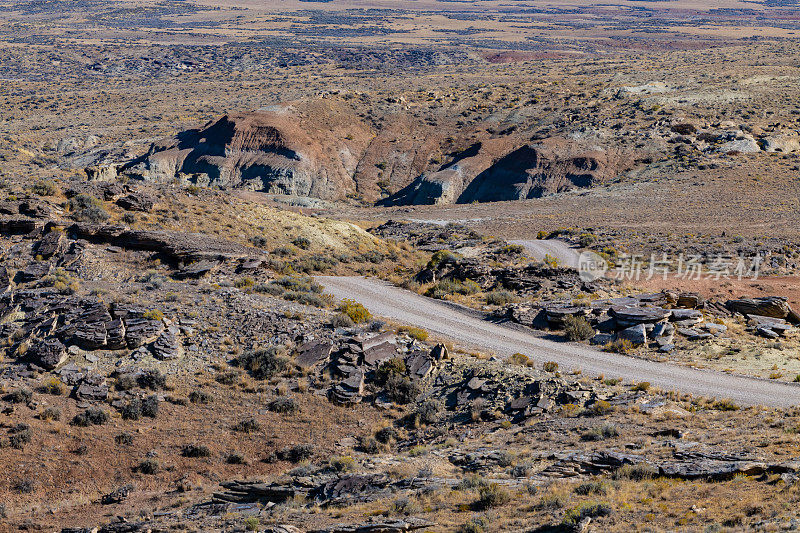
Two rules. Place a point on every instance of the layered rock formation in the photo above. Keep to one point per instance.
(311, 150)
(533, 170)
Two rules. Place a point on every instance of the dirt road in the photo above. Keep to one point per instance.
(471, 330)
(537, 249)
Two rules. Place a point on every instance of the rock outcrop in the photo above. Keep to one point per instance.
(484, 174)
(309, 149)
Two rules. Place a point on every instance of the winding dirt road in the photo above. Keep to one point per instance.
(470, 329)
(537, 249)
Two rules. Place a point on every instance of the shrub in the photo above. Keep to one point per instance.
(153, 314)
(642, 386)
(355, 311)
(150, 406)
(405, 506)
(429, 411)
(590, 487)
(635, 472)
(45, 188)
(369, 445)
(252, 523)
(248, 425)
(93, 416)
(50, 413)
(577, 328)
(20, 436)
(195, 451)
(449, 286)
(474, 525)
(61, 281)
(386, 435)
(439, 258)
(501, 297)
(284, 405)
(92, 214)
(401, 389)
(244, 283)
(132, 411)
(341, 320)
(265, 363)
(54, 386)
(392, 367)
(299, 284)
(586, 239)
(235, 459)
(513, 249)
(601, 407)
(619, 346)
(24, 486)
(550, 261)
(343, 463)
(606, 431)
(269, 288)
(284, 251)
(550, 366)
(87, 208)
(295, 454)
(492, 495)
(586, 510)
(201, 397)
(519, 359)
(725, 405)
(302, 243)
(550, 502)
(149, 467)
(305, 298)
(152, 379)
(124, 439)
(22, 395)
(418, 334)
(473, 481)
(259, 241)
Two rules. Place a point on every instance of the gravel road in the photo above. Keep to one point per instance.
(566, 255)
(470, 329)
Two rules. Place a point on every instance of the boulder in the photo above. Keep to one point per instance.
(48, 353)
(747, 145)
(313, 354)
(375, 355)
(140, 331)
(136, 202)
(92, 388)
(348, 391)
(780, 143)
(35, 271)
(166, 346)
(768, 306)
(50, 244)
(689, 300)
(637, 335)
(686, 317)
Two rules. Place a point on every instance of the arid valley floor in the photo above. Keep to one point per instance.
(302, 266)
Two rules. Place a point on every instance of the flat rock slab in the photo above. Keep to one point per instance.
(313, 353)
(694, 334)
(639, 315)
(375, 355)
